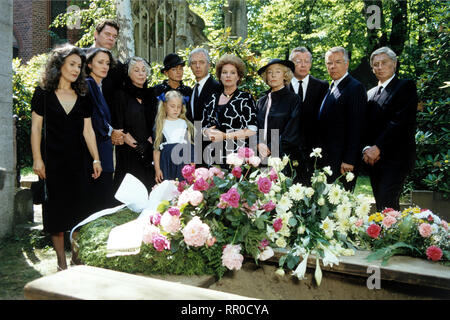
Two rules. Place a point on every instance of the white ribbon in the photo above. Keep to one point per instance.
(127, 238)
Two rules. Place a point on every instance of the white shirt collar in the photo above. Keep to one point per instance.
(336, 82)
(385, 84)
(201, 83)
(295, 84)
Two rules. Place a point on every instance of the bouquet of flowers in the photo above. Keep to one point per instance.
(216, 208)
(321, 220)
(414, 231)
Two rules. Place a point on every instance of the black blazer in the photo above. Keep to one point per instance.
(315, 92)
(210, 87)
(114, 81)
(340, 125)
(391, 122)
(284, 115)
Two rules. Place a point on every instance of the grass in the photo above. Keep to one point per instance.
(363, 186)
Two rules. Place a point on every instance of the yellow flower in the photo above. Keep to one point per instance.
(372, 217)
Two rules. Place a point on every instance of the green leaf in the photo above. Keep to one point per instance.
(293, 222)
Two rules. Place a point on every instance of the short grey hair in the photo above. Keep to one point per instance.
(132, 62)
(300, 49)
(336, 50)
(199, 50)
(386, 50)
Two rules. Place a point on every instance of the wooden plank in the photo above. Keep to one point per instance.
(399, 268)
(91, 283)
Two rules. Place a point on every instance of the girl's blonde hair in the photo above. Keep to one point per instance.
(162, 115)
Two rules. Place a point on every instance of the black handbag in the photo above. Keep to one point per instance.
(39, 191)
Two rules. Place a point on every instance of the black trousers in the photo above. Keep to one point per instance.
(387, 184)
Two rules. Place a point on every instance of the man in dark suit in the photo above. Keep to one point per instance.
(391, 149)
(205, 87)
(341, 117)
(311, 91)
(105, 35)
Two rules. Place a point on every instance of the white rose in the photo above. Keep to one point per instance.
(349, 176)
(281, 242)
(321, 201)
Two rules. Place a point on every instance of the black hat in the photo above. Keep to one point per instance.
(172, 60)
(286, 63)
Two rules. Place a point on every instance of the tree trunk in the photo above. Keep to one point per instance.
(125, 42)
(399, 31)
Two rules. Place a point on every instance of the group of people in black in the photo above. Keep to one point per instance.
(94, 119)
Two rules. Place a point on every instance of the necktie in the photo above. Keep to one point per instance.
(378, 94)
(269, 104)
(300, 89)
(193, 100)
(324, 99)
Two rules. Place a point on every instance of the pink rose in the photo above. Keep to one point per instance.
(214, 171)
(188, 171)
(264, 184)
(201, 173)
(234, 160)
(394, 214)
(444, 224)
(231, 197)
(236, 172)
(277, 224)
(388, 221)
(196, 197)
(425, 230)
(264, 243)
(359, 222)
(160, 242)
(434, 253)
(269, 206)
(231, 257)
(196, 233)
(200, 184)
(170, 223)
(155, 218)
(222, 204)
(373, 230)
(181, 186)
(251, 211)
(273, 175)
(174, 211)
(245, 153)
(150, 231)
(254, 161)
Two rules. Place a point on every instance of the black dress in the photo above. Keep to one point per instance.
(63, 150)
(284, 116)
(137, 119)
(237, 114)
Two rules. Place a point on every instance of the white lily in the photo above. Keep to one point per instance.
(299, 272)
(318, 272)
(329, 258)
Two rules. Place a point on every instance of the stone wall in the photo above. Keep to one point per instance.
(7, 151)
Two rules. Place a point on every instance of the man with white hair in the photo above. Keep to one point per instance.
(311, 91)
(205, 86)
(341, 118)
(391, 113)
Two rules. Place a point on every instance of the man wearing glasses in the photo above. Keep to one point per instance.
(311, 91)
(341, 118)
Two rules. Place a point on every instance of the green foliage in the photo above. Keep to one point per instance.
(90, 14)
(25, 79)
(92, 241)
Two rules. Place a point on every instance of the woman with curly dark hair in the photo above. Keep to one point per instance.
(59, 105)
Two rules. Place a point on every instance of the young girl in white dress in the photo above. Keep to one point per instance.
(173, 135)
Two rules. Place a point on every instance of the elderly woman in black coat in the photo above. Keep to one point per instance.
(278, 112)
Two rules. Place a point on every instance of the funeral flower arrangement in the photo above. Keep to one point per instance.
(320, 220)
(413, 231)
(212, 219)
